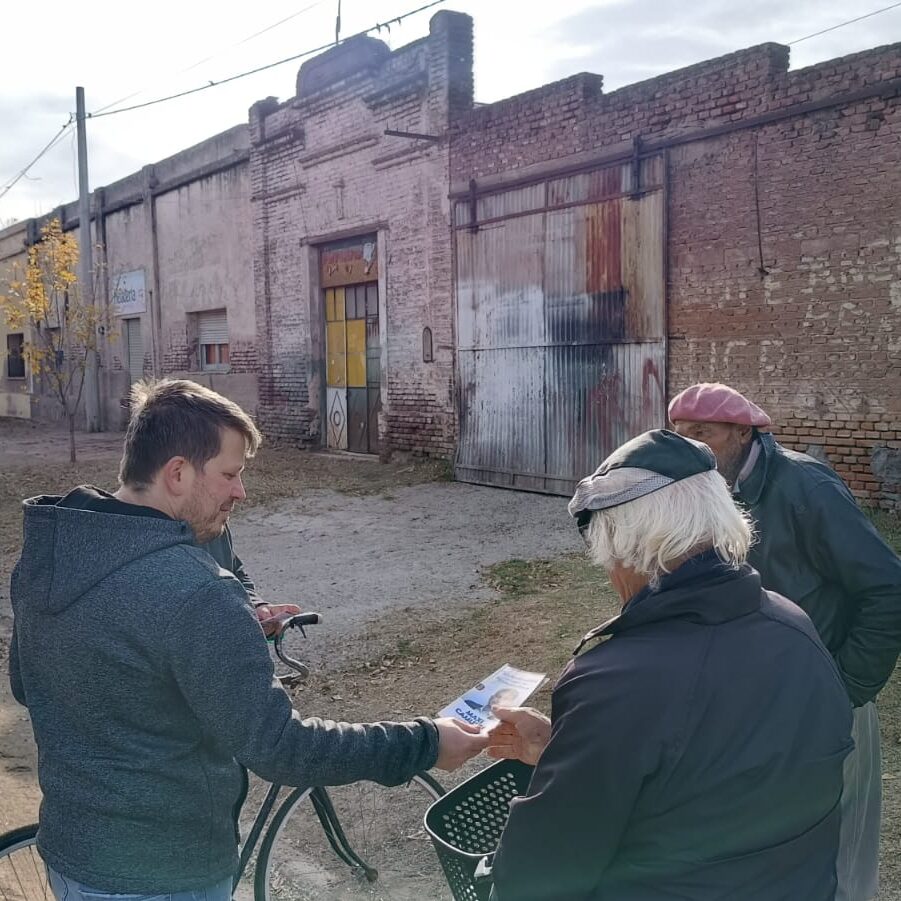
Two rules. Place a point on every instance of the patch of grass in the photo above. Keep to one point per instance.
(445, 470)
(889, 524)
(520, 578)
(281, 471)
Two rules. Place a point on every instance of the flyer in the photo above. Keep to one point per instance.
(506, 687)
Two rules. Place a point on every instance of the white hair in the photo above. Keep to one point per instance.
(658, 530)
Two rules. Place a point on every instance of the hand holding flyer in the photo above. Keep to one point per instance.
(506, 687)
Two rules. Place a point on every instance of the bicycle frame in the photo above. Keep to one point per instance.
(256, 830)
(328, 818)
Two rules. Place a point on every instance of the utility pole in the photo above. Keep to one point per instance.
(86, 266)
(338, 24)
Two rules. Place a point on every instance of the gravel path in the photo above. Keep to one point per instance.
(353, 558)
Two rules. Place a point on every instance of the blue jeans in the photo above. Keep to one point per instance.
(66, 889)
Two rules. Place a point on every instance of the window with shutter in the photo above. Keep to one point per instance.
(134, 346)
(212, 338)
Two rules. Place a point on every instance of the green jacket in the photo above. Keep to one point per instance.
(222, 550)
(816, 547)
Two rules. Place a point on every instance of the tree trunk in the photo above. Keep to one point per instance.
(72, 438)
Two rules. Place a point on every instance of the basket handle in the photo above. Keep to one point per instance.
(483, 870)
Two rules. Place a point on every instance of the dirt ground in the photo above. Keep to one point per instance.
(425, 585)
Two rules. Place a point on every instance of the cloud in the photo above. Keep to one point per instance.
(520, 44)
(630, 40)
(30, 122)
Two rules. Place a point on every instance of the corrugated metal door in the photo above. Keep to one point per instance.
(561, 325)
(134, 347)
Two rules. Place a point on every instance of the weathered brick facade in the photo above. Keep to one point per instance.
(783, 229)
(322, 168)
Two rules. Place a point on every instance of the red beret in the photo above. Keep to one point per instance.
(713, 402)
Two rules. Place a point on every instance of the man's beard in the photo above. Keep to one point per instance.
(730, 462)
(205, 527)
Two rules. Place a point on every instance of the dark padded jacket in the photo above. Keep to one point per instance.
(817, 547)
(222, 550)
(697, 753)
(149, 685)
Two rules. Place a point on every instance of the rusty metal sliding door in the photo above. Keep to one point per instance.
(561, 325)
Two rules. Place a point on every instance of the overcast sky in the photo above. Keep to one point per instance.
(117, 49)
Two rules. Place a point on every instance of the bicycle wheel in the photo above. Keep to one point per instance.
(23, 875)
(383, 826)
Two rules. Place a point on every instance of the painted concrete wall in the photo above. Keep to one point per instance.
(182, 227)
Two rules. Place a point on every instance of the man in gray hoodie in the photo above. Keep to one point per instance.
(147, 675)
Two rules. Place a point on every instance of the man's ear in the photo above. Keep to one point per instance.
(745, 433)
(177, 476)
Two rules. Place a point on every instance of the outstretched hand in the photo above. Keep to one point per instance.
(457, 742)
(522, 734)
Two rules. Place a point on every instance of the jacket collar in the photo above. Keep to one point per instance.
(703, 590)
(752, 487)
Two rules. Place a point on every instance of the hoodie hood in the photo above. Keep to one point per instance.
(73, 542)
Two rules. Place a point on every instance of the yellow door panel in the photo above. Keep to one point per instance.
(336, 365)
(356, 353)
(334, 338)
(356, 336)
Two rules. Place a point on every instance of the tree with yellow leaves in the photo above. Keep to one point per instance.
(61, 331)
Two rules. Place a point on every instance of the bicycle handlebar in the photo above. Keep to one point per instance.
(292, 621)
(305, 619)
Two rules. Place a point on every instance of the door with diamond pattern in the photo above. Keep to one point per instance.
(350, 294)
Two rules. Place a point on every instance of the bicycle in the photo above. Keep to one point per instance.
(346, 843)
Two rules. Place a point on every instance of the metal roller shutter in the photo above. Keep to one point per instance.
(213, 327)
(135, 349)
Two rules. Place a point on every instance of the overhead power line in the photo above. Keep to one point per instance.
(206, 59)
(46, 149)
(262, 31)
(214, 84)
(816, 34)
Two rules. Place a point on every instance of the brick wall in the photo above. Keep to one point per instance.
(322, 169)
(783, 235)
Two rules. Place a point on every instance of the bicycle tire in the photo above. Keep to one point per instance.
(23, 874)
(383, 826)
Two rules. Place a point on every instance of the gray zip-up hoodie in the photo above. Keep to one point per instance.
(149, 685)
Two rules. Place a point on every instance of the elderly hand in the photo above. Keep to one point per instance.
(457, 742)
(522, 734)
(274, 613)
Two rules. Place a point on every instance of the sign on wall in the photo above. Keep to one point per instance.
(128, 293)
(348, 262)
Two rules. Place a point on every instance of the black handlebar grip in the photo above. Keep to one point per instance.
(306, 619)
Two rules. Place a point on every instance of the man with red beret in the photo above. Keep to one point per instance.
(816, 547)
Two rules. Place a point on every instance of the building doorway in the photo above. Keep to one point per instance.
(349, 279)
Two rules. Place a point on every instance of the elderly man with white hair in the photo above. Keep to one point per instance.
(696, 741)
